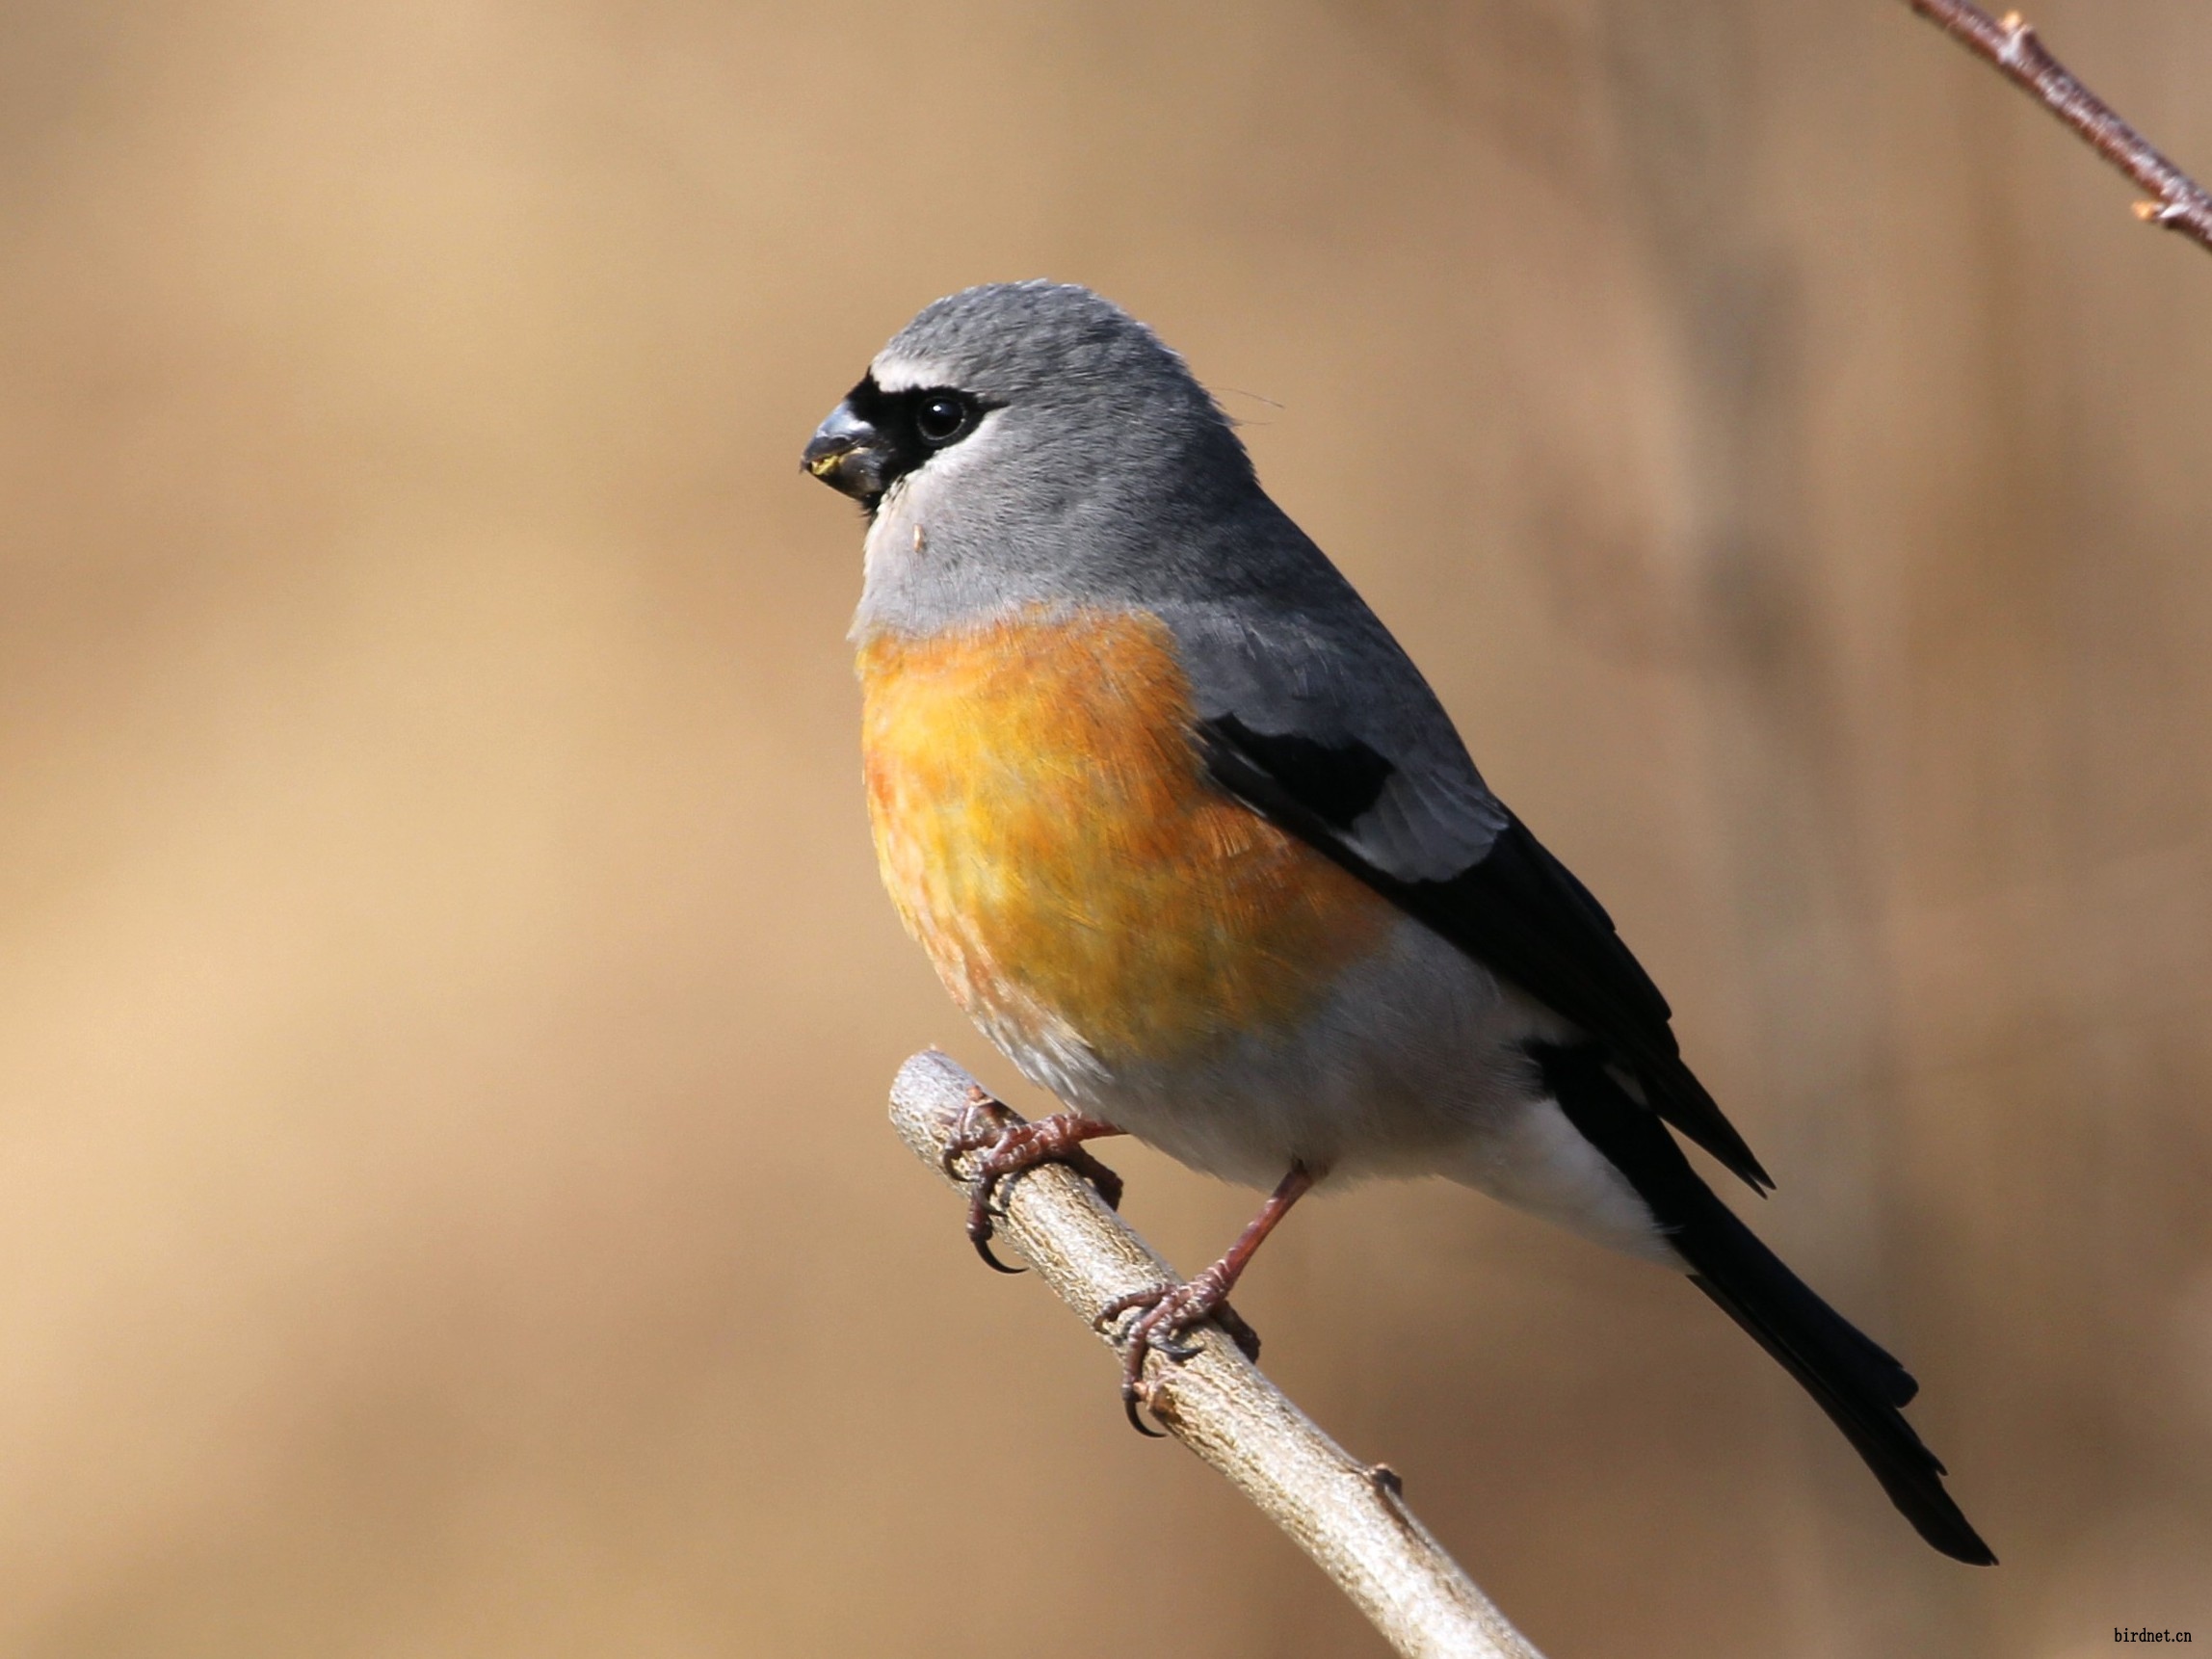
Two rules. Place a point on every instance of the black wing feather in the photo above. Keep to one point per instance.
(1516, 910)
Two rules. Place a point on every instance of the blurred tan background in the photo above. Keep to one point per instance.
(445, 1000)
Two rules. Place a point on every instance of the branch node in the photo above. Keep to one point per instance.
(2011, 45)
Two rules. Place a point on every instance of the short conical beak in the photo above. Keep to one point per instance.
(848, 454)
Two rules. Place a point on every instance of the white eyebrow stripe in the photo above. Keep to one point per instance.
(906, 375)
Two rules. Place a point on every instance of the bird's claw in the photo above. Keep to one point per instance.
(1169, 1312)
(1174, 1348)
(1130, 1401)
(1002, 1150)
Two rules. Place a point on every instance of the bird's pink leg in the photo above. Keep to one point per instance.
(1172, 1310)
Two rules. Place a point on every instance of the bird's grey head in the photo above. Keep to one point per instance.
(1030, 444)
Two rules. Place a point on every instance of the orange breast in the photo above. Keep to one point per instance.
(1045, 831)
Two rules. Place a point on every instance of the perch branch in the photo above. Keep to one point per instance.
(2013, 47)
(1350, 1518)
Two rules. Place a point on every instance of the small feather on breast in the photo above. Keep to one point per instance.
(1045, 826)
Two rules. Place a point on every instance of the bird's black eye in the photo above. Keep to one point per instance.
(943, 416)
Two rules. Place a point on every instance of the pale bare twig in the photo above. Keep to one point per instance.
(2012, 44)
(1349, 1516)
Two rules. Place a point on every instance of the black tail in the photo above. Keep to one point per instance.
(1855, 1382)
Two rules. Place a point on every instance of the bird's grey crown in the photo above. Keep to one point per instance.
(1052, 341)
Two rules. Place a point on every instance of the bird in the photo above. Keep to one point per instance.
(1190, 838)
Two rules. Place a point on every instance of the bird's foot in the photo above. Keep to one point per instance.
(1169, 1311)
(1003, 1149)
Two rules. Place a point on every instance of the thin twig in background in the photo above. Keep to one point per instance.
(1350, 1518)
(2013, 47)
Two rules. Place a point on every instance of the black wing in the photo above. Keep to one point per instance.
(1516, 908)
